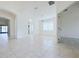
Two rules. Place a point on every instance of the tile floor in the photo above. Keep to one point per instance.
(39, 47)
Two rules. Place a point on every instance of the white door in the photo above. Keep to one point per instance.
(33, 28)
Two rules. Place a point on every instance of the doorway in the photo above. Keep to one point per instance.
(4, 29)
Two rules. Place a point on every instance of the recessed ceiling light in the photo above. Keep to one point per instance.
(36, 8)
(65, 10)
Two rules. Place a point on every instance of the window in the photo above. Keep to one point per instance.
(47, 26)
(4, 29)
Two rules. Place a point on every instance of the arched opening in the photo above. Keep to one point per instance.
(4, 28)
(8, 26)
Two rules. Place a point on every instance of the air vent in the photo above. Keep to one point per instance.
(51, 3)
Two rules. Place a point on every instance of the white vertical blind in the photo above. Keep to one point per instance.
(4, 28)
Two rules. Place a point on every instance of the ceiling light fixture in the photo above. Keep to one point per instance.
(51, 2)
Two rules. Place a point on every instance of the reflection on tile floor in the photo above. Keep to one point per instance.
(39, 47)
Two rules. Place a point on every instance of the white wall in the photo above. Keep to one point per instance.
(70, 22)
(43, 12)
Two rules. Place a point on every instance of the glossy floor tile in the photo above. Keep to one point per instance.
(35, 47)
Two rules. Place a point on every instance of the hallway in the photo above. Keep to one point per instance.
(40, 47)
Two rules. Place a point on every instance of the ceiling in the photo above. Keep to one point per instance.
(61, 5)
(73, 9)
(33, 9)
